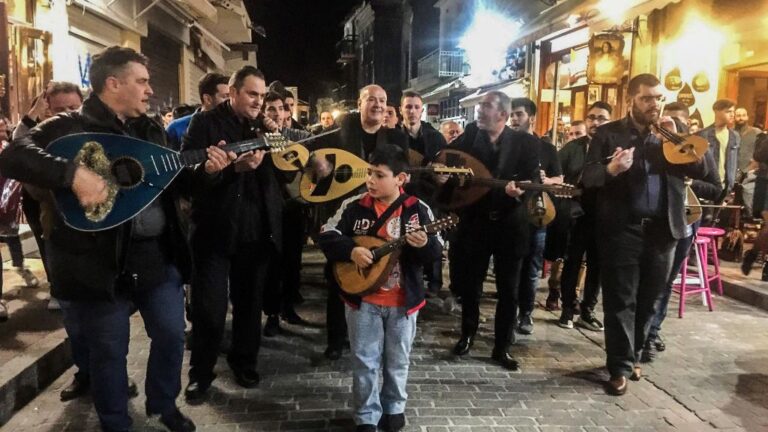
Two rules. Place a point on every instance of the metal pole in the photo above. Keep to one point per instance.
(555, 97)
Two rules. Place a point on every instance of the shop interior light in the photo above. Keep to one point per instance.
(335, 113)
(615, 9)
(486, 41)
(696, 48)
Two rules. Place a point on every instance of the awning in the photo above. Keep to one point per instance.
(515, 88)
(443, 88)
(554, 20)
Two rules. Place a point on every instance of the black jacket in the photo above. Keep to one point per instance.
(87, 265)
(517, 159)
(613, 202)
(356, 212)
(350, 137)
(428, 143)
(222, 202)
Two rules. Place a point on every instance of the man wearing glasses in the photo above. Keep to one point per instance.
(582, 235)
(640, 215)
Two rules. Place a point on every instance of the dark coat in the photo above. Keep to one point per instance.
(86, 265)
(337, 244)
(518, 159)
(613, 201)
(428, 143)
(217, 199)
(350, 137)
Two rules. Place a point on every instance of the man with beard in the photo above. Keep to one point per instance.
(497, 225)
(640, 216)
(748, 135)
(425, 140)
(361, 133)
(582, 238)
(522, 120)
(236, 230)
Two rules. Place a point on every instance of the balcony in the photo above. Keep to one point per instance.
(346, 49)
(437, 65)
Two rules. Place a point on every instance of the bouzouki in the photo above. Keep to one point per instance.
(347, 173)
(136, 172)
(469, 190)
(363, 281)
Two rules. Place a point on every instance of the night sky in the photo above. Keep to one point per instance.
(300, 47)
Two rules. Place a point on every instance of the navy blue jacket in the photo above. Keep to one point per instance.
(355, 217)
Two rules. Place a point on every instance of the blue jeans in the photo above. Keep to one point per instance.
(531, 272)
(379, 335)
(104, 330)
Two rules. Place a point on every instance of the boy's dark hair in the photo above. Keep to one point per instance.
(391, 156)
(58, 87)
(110, 63)
(723, 104)
(288, 95)
(238, 78)
(644, 79)
(208, 84)
(184, 110)
(273, 96)
(601, 105)
(527, 104)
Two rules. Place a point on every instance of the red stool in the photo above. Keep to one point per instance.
(713, 233)
(695, 282)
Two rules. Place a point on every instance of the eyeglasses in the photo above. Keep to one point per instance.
(650, 99)
(597, 118)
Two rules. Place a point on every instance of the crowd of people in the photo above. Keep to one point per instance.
(232, 231)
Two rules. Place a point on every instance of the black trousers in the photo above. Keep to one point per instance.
(244, 273)
(635, 264)
(335, 321)
(472, 250)
(583, 239)
(284, 280)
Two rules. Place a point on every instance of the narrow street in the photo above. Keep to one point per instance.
(711, 377)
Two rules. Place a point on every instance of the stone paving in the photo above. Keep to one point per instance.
(711, 377)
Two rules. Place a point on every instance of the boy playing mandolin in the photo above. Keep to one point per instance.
(382, 320)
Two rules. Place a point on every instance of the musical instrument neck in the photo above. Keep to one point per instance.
(492, 182)
(194, 157)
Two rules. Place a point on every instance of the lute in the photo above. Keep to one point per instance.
(363, 281)
(136, 172)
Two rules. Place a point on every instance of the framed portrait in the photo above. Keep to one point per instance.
(593, 94)
(611, 97)
(606, 58)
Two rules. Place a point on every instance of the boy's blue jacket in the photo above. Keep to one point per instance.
(355, 216)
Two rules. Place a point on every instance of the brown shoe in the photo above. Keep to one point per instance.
(637, 373)
(616, 386)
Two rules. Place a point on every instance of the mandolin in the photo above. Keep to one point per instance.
(682, 149)
(136, 172)
(466, 191)
(363, 281)
(347, 173)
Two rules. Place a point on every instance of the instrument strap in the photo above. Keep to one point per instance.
(387, 213)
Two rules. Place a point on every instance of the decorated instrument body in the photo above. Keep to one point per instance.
(136, 172)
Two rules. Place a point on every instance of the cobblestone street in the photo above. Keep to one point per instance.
(711, 377)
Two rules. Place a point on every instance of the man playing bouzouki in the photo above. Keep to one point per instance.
(101, 277)
(382, 324)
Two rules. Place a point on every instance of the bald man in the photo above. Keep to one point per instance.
(360, 134)
(451, 130)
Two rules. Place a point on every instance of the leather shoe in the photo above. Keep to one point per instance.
(291, 317)
(365, 428)
(332, 353)
(247, 378)
(749, 259)
(659, 344)
(133, 389)
(637, 373)
(272, 326)
(196, 390)
(505, 359)
(76, 389)
(175, 421)
(392, 422)
(616, 386)
(463, 345)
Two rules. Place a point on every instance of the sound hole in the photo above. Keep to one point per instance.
(127, 172)
(343, 173)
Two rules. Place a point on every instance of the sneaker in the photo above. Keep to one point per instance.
(29, 278)
(3, 311)
(53, 304)
(566, 319)
(526, 324)
(392, 422)
(590, 322)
